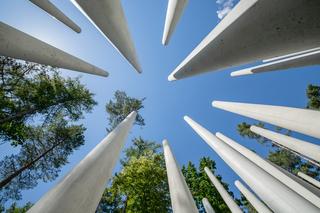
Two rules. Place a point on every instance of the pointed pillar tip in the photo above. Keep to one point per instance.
(165, 142)
(241, 72)
(171, 77)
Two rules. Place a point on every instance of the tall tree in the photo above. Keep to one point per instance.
(313, 94)
(141, 186)
(120, 107)
(30, 91)
(40, 157)
(15, 209)
(201, 186)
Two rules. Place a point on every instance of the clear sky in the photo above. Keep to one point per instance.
(166, 102)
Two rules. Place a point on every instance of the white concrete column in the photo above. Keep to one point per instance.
(174, 12)
(181, 198)
(266, 166)
(108, 17)
(234, 208)
(255, 202)
(207, 206)
(80, 191)
(50, 8)
(309, 179)
(254, 30)
(305, 121)
(17, 44)
(307, 149)
(275, 194)
(306, 59)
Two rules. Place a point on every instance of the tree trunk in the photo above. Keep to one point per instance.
(9, 178)
(18, 115)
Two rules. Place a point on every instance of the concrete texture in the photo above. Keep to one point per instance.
(17, 44)
(266, 166)
(304, 121)
(80, 191)
(307, 149)
(108, 17)
(275, 194)
(207, 206)
(50, 8)
(181, 198)
(307, 59)
(255, 202)
(174, 12)
(234, 208)
(255, 30)
(309, 179)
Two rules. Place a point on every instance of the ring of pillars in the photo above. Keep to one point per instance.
(293, 43)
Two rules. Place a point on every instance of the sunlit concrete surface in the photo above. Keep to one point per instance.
(50, 8)
(181, 198)
(234, 208)
(207, 206)
(265, 165)
(307, 59)
(309, 179)
(307, 149)
(80, 191)
(305, 121)
(276, 195)
(19, 45)
(255, 30)
(174, 12)
(255, 202)
(108, 17)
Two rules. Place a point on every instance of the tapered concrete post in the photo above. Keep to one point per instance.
(273, 171)
(108, 17)
(254, 30)
(307, 59)
(17, 44)
(80, 191)
(304, 121)
(47, 6)
(307, 149)
(276, 195)
(234, 208)
(181, 198)
(255, 202)
(309, 179)
(174, 12)
(207, 206)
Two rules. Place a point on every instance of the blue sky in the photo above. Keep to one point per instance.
(166, 102)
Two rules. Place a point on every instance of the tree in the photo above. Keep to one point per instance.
(313, 94)
(40, 157)
(15, 209)
(141, 186)
(120, 107)
(30, 91)
(201, 186)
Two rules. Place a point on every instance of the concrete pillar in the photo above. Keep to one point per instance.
(276, 195)
(307, 59)
(234, 208)
(304, 121)
(174, 12)
(266, 166)
(80, 191)
(181, 198)
(309, 179)
(17, 44)
(255, 202)
(254, 30)
(307, 149)
(47, 6)
(108, 17)
(290, 55)
(207, 206)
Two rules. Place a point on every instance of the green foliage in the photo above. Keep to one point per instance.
(313, 94)
(15, 209)
(141, 186)
(40, 157)
(30, 92)
(201, 186)
(120, 107)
